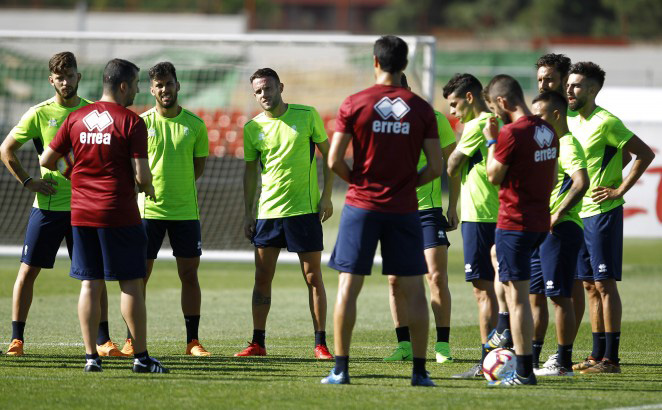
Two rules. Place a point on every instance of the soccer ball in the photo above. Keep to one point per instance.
(499, 363)
(65, 165)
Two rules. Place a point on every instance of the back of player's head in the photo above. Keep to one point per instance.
(62, 61)
(589, 70)
(559, 62)
(506, 87)
(265, 73)
(460, 84)
(391, 53)
(162, 69)
(554, 100)
(119, 71)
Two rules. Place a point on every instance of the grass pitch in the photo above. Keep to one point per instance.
(51, 375)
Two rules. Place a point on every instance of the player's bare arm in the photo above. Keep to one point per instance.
(250, 187)
(325, 206)
(453, 190)
(8, 155)
(644, 156)
(580, 184)
(337, 151)
(496, 171)
(143, 177)
(433, 156)
(455, 162)
(49, 159)
(199, 166)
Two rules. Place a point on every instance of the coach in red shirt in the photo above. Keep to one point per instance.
(109, 144)
(388, 126)
(523, 160)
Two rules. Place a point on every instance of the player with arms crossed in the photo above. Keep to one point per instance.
(554, 263)
(435, 243)
(282, 140)
(523, 162)
(388, 126)
(109, 144)
(605, 139)
(178, 147)
(50, 218)
(480, 202)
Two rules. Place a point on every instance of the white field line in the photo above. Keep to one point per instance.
(644, 407)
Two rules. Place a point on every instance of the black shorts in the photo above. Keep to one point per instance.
(478, 238)
(434, 226)
(554, 263)
(185, 237)
(43, 237)
(601, 257)
(300, 233)
(514, 250)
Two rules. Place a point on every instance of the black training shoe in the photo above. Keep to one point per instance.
(475, 371)
(151, 365)
(93, 365)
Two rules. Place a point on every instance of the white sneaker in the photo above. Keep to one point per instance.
(551, 360)
(553, 370)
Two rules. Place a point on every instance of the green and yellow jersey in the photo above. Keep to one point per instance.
(429, 195)
(285, 146)
(479, 198)
(571, 159)
(602, 136)
(172, 143)
(40, 124)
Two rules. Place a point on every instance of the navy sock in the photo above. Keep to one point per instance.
(258, 337)
(17, 329)
(483, 352)
(320, 338)
(94, 356)
(103, 335)
(504, 322)
(443, 334)
(612, 340)
(419, 366)
(537, 348)
(142, 356)
(564, 356)
(342, 364)
(524, 365)
(599, 345)
(192, 324)
(402, 333)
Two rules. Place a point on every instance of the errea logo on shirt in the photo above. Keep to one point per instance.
(396, 109)
(544, 137)
(95, 121)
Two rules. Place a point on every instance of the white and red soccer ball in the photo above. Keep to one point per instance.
(499, 363)
(65, 165)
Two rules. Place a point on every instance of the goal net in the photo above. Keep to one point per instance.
(317, 70)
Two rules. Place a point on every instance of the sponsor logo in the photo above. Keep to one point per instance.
(441, 234)
(544, 138)
(151, 133)
(52, 122)
(186, 131)
(199, 244)
(602, 268)
(467, 268)
(550, 284)
(94, 120)
(388, 108)
(260, 136)
(25, 250)
(294, 128)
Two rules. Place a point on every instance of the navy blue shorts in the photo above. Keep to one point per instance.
(434, 226)
(300, 233)
(43, 237)
(554, 263)
(478, 238)
(185, 237)
(109, 253)
(514, 250)
(602, 256)
(400, 236)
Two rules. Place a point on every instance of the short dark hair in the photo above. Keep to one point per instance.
(118, 71)
(460, 84)
(559, 62)
(62, 61)
(264, 73)
(162, 69)
(554, 99)
(589, 70)
(505, 86)
(391, 53)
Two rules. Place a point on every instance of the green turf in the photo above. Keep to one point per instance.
(50, 374)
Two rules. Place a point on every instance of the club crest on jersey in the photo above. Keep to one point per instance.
(97, 121)
(185, 131)
(151, 132)
(52, 122)
(544, 138)
(395, 109)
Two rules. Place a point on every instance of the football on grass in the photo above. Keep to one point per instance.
(66, 164)
(498, 364)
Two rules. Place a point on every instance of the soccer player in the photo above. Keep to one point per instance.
(523, 163)
(109, 144)
(604, 139)
(50, 217)
(480, 202)
(178, 148)
(435, 243)
(388, 126)
(554, 263)
(281, 141)
(552, 72)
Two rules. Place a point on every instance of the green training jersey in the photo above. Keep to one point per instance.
(479, 198)
(40, 124)
(602, 135)
(429, 195)
(571, 160)
(172, 143)
(285, 146)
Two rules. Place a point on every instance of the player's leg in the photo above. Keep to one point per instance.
(501, 335)
(517, 293)
(539, 309)
(400, 318)
(440, 300)
(578, 303)
(21, 302)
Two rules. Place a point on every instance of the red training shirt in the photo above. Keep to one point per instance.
(530, 147)
(388, 125)
(104, 137)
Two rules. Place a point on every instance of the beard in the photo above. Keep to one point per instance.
(576, 105)
(169, 104)
(71, 93)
